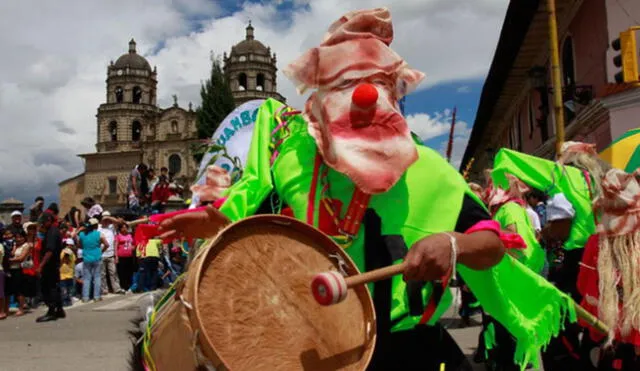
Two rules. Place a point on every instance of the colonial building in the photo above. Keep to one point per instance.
(132, 129)
(516, 105)
(251, 70)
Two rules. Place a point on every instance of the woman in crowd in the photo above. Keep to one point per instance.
(29, 265)
(90, 242)
(126, 258)
(16, 283)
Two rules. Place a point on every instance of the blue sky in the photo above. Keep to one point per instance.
(59, 66)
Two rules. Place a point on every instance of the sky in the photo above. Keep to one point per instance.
(55, 55)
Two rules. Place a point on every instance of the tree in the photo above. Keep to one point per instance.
(217, 100)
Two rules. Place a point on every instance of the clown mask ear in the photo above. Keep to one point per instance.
(303, 72)
(408, 80)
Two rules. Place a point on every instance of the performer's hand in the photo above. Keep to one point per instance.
(429, 259)
(198, 224)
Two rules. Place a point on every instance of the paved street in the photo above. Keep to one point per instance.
(94, 336)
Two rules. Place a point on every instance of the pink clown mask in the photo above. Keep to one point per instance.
(354, 115)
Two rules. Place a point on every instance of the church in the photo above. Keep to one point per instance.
(133, 129)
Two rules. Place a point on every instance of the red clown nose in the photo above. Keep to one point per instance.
(365, 95)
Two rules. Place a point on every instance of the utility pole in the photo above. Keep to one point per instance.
(556, 81)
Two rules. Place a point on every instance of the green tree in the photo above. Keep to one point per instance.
(217, 100)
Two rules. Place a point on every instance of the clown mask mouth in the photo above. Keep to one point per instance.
(365, 138)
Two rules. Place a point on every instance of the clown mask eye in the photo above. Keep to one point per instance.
(345, 84)
(382, 83)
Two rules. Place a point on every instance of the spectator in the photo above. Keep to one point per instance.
(53, 209)
(126, 260)
(16, 223)
(536, 200)
(49, 269)
(152, 179)
(78, 272)
(36, 209)
(164, 172)
(3, 304)
(67, 269)
(74, 217)
(160, 195)
(93, 245)
(20, 252)
(29, 264)
(134, 185)
(109, 257)
(93, 209)
(7, 246)
(150, 260)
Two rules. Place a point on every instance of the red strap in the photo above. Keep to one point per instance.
(435, 297)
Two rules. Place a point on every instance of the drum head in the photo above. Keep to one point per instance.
(255, 307)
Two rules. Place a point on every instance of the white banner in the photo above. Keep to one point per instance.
(235, 134)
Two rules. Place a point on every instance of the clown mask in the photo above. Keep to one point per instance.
(354, 115)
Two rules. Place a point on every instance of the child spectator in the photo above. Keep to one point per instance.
(78, 274)
(67, 270)
(126, 260)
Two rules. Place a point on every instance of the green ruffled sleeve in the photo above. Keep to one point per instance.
(246, 195)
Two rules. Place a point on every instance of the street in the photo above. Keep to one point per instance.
(94, 336)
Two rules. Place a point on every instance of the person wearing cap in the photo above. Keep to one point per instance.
(609, 271)
(49, 268)
(67, 266)
(109, 272)
(16, 222)
(93, 244)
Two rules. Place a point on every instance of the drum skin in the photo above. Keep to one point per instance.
(246, 304)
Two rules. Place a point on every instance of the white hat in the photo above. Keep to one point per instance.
(106, 213)
(93, 221)
(16, 213)
(558, 208)
(28, 225)
(69, 241)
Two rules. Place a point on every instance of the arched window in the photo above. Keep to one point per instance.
(568, 71)
(113, 131)
(242, 81)
(136, 131)
(175, 164)
(119, 94)
(174, 126)
(137, 95)
(260, 82)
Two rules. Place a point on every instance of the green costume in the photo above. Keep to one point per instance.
(549, 176)
(513, 214)
(426, 200)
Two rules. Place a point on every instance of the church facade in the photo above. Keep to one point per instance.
(132, 129)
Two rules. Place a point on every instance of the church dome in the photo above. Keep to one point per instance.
(250, 45)
(132, 59)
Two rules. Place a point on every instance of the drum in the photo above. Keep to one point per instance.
(246, 304)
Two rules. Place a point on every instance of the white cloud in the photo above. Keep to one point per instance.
(53, 69)
(432, 126)
(464, 89)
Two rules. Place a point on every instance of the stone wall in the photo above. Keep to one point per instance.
(71, 193)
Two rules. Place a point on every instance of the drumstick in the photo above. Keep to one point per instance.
(331, 288)
(133, 223)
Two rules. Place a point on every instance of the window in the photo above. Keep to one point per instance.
(260, 82)
(242, 58)
(242, 81)
(119, 94)
(113, 131)
(175, 164)
(113, 186)
(532, 115)
(137, 95)
(174, 126)
(136, 131)
(568, 79)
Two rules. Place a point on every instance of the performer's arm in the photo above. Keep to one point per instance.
(430, 258)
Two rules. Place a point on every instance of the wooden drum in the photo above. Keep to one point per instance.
(246, 304)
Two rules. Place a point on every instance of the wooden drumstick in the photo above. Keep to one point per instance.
(330, 288)
(133, 223)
